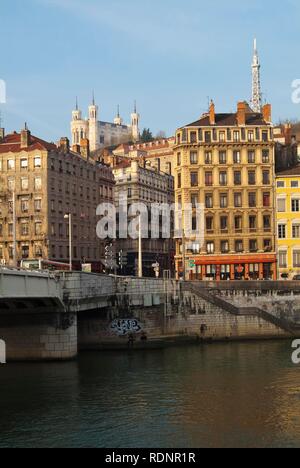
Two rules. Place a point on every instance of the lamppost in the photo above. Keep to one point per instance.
(69, 217)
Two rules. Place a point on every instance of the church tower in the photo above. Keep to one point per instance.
(93, 126)
(135, 121)
(118, 119)
(256, 85)
(79, 127)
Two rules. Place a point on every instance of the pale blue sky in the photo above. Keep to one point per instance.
(169, 55)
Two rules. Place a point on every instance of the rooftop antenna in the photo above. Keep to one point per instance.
(93, 97)
(77, 103)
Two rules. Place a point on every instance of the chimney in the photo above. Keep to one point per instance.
(76, 149)
(25, 137)
(2, 134)
(267, 112)
(288, 133)
(64, 145)
(212, 114)
(85, 148)
(241, 113)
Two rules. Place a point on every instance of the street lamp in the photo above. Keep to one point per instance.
(69, 217)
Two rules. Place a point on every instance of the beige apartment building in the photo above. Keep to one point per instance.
(49, 182)
(226, 163)
(147, 186)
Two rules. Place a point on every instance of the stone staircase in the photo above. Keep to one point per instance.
(286, 325)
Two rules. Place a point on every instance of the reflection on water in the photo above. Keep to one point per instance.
(220, 395)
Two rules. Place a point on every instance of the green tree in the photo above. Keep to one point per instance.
(147, 135)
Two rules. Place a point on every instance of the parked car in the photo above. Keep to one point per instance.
(296, 278)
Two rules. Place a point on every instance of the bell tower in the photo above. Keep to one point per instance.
(93, 126)
(135, 121)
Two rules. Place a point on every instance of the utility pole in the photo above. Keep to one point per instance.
(15, 260)
(184, 255)
(140, 260)
(69, 217)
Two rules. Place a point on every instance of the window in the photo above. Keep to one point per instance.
(209, 223)
(296, 231)
(251, 136)
(265, 136)
(295, 205)
(38, 183)
(238, 223)
(10, 164)
(25, 251)
(236, 136)
(252, 200)
(38, 205)
(294, 184)
(208, 200)
(252, 223)
(210, 247)
(24, 205)
(223, 178)
(24, 164)
(282, 259)
(24, 183)
(267, 223)
(207, 136)
(223, 200)
(224, 247)
(237, 178)
(239, 246)
(224, 223)
(179, 180)
(281, 205)
(281, 231)
(253, 245)
(194, 157)
(280, 184)
(267, 199)
(237, 157)
(194, 200)
(208, 157)
(251, 157)
(266, 177)
(296, 258)
(222, 157)
(267, 245)
(194, 179)
(24, 228)
(208, 179)
(222, 137)
(129, 193)
(11, 184)
(266, 156)
(38, 229)
(178, 159)
(193, 137)
(251, 178)
(237, 200)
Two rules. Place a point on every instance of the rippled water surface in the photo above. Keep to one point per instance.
(219, 395)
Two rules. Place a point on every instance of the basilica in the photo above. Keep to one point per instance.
(103, 134)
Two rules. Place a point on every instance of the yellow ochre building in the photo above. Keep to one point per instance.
(288, 222)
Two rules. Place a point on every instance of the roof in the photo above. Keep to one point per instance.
(12, 143)
(123, 165)
(292, 171)
(229, 120)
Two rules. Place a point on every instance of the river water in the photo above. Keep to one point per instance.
(218, 395)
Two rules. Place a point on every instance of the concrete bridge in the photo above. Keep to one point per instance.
(52, 315)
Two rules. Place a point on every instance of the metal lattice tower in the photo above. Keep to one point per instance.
(256, 86)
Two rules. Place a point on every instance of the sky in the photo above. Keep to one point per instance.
(168, 55)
